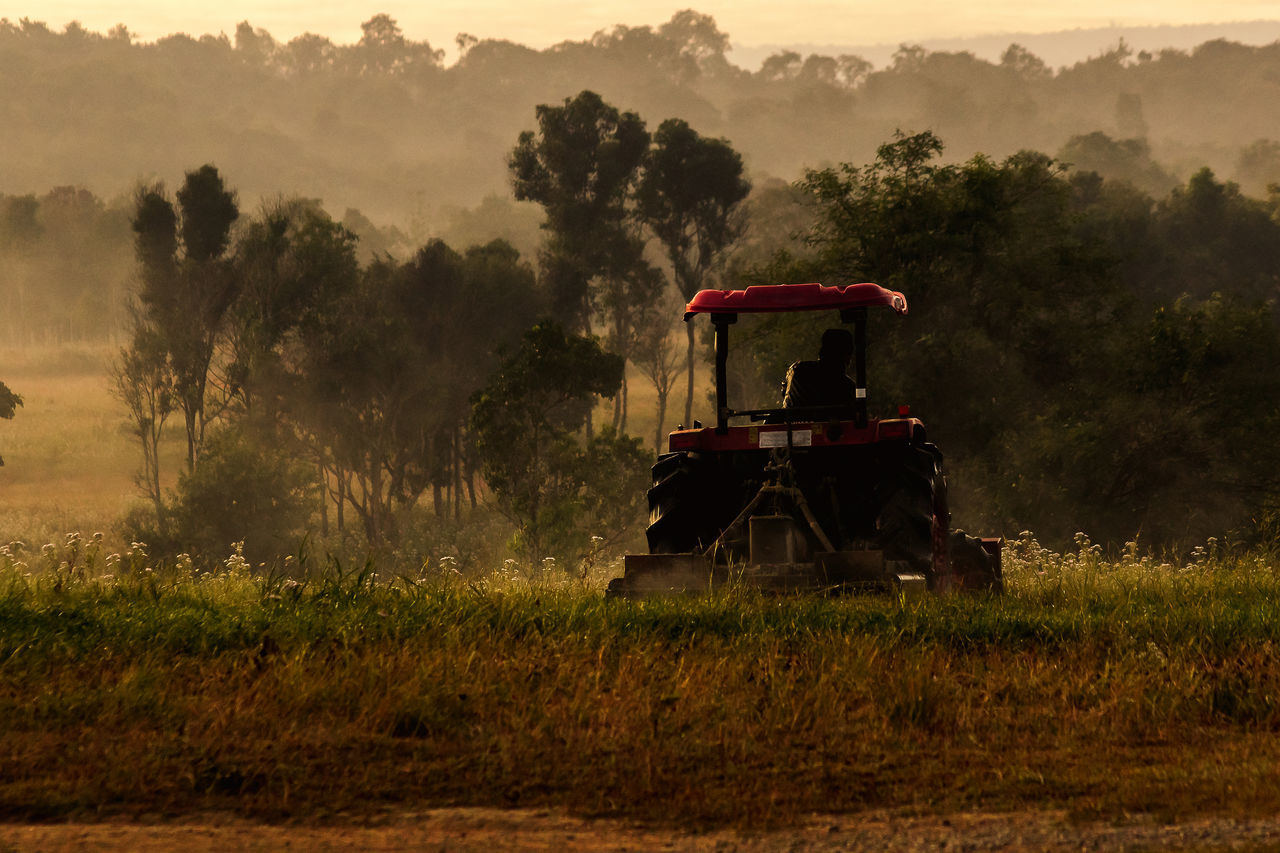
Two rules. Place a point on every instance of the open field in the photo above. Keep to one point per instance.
(1094, 691)
(70, 459)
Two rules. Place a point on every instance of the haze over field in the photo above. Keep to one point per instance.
(751, 23)
(407, 127)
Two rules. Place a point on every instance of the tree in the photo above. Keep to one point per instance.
(1258, 166)
(385, 372)
(1118, 159)
(185, 296)
(558, 489)
(142, 380)
(384, 51)
(657, 356)
(249, 489)
(1216, 239)
(580, 166)
(9, 403)
(688, 196)
(1171, 445)
(20, 231)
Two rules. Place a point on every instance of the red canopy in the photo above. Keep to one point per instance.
(793, 297)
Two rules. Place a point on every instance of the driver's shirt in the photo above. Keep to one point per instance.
(812, 383)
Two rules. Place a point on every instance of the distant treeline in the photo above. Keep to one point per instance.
(384, 126)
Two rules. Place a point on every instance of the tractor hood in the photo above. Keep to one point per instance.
(773, 298)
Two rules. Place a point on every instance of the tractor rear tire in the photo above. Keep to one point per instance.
(908, 522)
(681, 503)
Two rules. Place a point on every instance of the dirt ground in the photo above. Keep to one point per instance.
(494, 830)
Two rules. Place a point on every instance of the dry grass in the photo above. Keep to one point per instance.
(1102, 688)
(70, 459)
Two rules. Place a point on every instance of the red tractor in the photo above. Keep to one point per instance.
(803, 498)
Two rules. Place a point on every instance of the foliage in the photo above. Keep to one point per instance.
(559, 489)
(9, 403)
(66, 259)
(186, 291)
(688, 196)
(1029, 350)
(330, 117)
(580, 166)
(248, 489)
(383, 380)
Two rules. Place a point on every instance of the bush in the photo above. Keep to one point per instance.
(241, 490)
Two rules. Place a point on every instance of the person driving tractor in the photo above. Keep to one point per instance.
(823, 382)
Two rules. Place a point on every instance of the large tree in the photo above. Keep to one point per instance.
(559, 488)
(580, 166)
(689, 195)
(187, 286)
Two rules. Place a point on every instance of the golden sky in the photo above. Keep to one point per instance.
(539, 23)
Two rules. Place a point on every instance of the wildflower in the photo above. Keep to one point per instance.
(236, 562)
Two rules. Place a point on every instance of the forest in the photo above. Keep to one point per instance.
(1092, 274)
(383, 126)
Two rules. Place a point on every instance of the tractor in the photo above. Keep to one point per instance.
(803, 498)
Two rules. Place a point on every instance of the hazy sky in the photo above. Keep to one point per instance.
(539, 23)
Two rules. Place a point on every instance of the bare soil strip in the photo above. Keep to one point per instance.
(490, 830)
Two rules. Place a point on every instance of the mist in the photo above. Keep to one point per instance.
(384, 126)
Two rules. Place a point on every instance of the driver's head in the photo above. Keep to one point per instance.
(837, 347)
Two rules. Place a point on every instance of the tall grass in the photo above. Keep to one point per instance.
(1102, 686)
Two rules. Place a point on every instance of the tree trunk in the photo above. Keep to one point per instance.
(457, 474)
(324, 500)
(622, 395)
(662, 417)
(189, 416)
(341, 504)
(469, 461)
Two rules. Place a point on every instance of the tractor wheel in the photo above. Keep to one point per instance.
(908, 522)
(972, 565)
(680, 505)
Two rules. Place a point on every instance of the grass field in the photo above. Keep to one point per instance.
(1107, 689)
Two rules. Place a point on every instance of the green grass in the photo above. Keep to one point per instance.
(1102, 687)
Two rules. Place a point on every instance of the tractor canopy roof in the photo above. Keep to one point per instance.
(793, 297)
